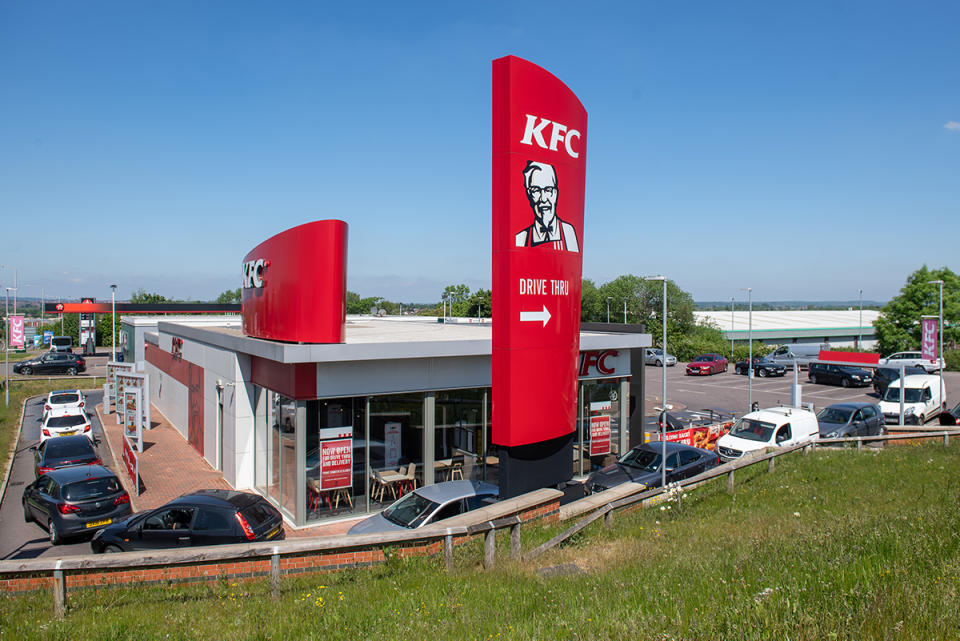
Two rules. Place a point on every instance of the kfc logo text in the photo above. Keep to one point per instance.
(598, 360)
(929, 338)
(533, 133)
(253, 272)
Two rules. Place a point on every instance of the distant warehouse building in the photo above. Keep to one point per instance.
(841, 328)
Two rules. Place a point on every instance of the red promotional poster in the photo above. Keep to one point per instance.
(539, 170)
(16, 331)
(928, 338)
(132, 464)
(295, 285)
(599, 435)
(336, 463)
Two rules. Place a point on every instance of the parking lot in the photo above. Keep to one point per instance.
(729, 390)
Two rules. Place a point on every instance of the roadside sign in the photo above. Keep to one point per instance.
(16, 332)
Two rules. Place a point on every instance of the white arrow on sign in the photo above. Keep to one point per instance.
(536, 316)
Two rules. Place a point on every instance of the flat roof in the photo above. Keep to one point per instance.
(378, 339)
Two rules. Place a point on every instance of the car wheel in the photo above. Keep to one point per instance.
(27, 517)
(71, 371)
(26, 371)
(921, 420)
(740, 371)
(112, 549)
(844, 382)
(55, 538)
(762, 373)
(813, 379)
(659, 363)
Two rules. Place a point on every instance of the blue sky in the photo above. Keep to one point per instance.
(802, 149)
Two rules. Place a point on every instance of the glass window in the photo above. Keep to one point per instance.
(212, 520)
(459, 433)
(172, 519)
(330, 425)
(783, 434)
(601, 397)
(687, 457)
(282, 454)
(448, 511)
(673, 461)
(397, 422)
(91, 488)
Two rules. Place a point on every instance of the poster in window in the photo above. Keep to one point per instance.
(336, 463)
(599, 435)
(391, 440)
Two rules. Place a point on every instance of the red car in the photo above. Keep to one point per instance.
(707, 364)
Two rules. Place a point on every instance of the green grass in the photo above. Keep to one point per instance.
(19, 390)
(832, 545)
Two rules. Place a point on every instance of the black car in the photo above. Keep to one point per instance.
(63, 451)
(52, 363)
(883, 376)
(762, 367)
(842, 420)
(75, 500)
(207, 517)
(642, 465)
(950, 417)
(845, 375)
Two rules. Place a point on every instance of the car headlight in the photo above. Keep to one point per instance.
(856, 378)
(831, 435)
(908, 410)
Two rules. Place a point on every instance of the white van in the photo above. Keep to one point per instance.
(802, 353)
(921, 399)
(773, 427)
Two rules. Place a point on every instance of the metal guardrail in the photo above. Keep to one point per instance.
(59, 568)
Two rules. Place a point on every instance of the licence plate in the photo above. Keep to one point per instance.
(99, 523)
(69, 433)
(273, 532)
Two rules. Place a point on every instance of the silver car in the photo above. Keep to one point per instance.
(428, 504)
(653, 356)
(912, 359)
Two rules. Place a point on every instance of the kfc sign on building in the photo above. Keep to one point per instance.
(539, 165)
(295, 285)
(596, 364)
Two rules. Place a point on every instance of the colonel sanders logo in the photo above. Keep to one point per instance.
(540, 183)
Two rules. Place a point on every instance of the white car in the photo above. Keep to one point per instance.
(912, 359)
(921, 400)
(65, 422)
(64, 399)
(773, 427)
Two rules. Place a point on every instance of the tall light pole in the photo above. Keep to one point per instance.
(860, 330)
(6, 351)
(940, 322)
(113, 321)
(61, 317)
(749, 291)
(608, 309)
(624, 311)
(663, 402)
(731, 328)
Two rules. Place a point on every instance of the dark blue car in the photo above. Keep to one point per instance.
(642, 464)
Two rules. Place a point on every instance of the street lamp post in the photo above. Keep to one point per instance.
(663, 402)
(731, 328)
(940, 323)
(113, 321)
(608, 309)
(6, 351)
(624, 311)
(860, 327)
(749, 291)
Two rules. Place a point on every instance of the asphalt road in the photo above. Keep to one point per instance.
(730, 391)
(21, 540)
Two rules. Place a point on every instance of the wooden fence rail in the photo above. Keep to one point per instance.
(59, 569)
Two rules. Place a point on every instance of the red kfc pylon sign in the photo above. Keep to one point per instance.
(539, 169)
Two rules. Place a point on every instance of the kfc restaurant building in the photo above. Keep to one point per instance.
(323, 415)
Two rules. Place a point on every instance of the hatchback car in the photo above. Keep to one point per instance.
(65, 423)
(642, 465)
(912, 359)
(844, 375)
(707, 364)
(63, 451)
(75, 500)
(428, 504)
(842, 420)
(883, 376)
(653, 356)
(206, 517)
(762, 367)
(52, 363)
(64, 400)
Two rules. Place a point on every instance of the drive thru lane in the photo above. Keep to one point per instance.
(21, 540)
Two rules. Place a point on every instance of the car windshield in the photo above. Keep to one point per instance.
(642, 460)
(700, 359)
(70, 420)
(93, 488)
(753, 430)
(834, 415)
(68, 446)
(913, 395)
(410, 511)
(64, 399)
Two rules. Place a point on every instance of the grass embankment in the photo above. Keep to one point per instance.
(833, 545)
(10, 414)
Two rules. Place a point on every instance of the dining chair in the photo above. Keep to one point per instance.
(456, 467)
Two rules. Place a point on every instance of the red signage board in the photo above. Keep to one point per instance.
(928, 338)
(599, 435)
(866, 359)
(132, 464)
(539, 165)
(336, 463)
(16, 331)
(295, 285)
